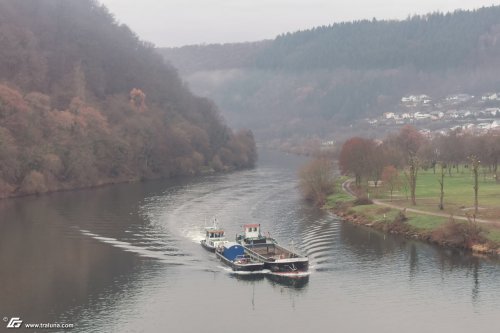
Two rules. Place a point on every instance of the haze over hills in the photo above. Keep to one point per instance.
(318, 81)
(84, 102)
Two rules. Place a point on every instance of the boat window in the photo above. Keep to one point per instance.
(255, 229)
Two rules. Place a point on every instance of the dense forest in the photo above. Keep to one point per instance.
(84, 102)
(311, 81)
(434, 41)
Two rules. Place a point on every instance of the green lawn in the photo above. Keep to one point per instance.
(493, 234)
(338, 196)
(384, 214)
(459, 199)
(458, 194)
(425, 222)
(376, 213)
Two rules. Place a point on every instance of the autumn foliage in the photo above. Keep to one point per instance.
(138, 99)
(84, 102)
(356, 157)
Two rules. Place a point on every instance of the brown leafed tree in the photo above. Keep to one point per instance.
(138, 99)
(356, 158)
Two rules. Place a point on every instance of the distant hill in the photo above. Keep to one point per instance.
(193, 58)
(315, 81)
(84, 102)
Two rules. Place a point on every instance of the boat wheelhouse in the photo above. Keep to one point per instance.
(214, 237)
(275, 257)
(252, 235)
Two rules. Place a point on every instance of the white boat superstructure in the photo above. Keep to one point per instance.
(214, 237)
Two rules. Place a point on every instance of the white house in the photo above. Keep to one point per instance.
(490, 97)
(389, 115)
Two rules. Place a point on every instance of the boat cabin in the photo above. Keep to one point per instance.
(214, 234)
(252, 231)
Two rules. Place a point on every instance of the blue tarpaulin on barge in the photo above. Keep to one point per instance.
(232, 250)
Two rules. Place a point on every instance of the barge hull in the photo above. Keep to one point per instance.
(249, 267)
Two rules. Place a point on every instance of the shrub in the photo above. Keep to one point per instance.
(383, 210)
(363, 201)
(458, 234)
(34, 182)
(316, 180)
(401, 217)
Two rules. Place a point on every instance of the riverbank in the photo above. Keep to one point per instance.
(35, 191)
(483, 238)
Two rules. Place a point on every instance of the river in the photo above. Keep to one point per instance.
(126, 258)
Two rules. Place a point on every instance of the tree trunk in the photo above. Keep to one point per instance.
(441, 184)
(495, 168)
(475, 169)
(413, 179)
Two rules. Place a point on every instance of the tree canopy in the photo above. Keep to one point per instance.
(83, 102)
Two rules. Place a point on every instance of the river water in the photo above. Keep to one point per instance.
(126, 258)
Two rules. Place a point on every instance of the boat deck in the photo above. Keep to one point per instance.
(272, 251)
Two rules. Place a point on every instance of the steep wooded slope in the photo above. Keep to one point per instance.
(83, 102)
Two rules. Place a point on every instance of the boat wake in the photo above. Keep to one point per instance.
(176, 259)
(291, 274)
(230, 271)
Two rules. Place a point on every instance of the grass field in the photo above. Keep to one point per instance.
(458, 200)
(458, 194)
(384, 214)
(338, 196)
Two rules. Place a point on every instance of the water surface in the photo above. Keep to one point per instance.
(127, 258)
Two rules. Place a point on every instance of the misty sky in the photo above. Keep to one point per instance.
(183, 22)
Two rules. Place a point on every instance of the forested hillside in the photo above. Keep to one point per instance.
(83, 102)
(309, 82)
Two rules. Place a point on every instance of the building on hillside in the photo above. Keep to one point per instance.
(414, 100)
(491, 97)
(458, 98)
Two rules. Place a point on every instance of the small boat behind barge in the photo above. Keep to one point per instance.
(276, 258)
(214, 237)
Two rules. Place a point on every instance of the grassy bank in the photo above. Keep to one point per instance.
(435, 229)
(458, 194)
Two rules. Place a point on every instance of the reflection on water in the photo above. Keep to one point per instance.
(127, 258)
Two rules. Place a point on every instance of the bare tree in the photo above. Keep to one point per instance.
(441, 185)
(390, 178)
(410, 141)
(316, 180)
(475, 167)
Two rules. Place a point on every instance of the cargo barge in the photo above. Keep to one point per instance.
(276, 258)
